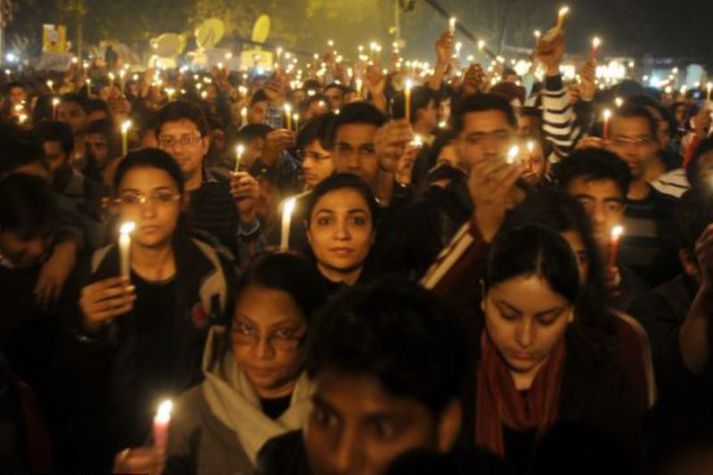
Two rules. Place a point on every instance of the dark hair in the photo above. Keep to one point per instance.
(649, 102)
(342, 88)
(318, 129)
(103, 127)
(633, 111)
(29, 208)
(182, 110)
(560, 212)
(421, 96)
(693, 214)
(75, 98)
(98, 105)
(57, 132)
(482, 102)
(341, 181)
(693, 171)
(594, 164)
(12, 85)
(309, 100)
(149, 158)
(397, 333)
(356, 113)
(253, 131)
(533, 250)
(259, 96)
(19, 148)
(290, 273)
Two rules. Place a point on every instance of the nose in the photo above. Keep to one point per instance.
(599, 216)
(346, 454)
(524, 333)
(263, 349)
(342, 230)
(148, 209)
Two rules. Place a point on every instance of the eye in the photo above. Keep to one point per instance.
(386, 430)
(164, 197)
(323, 418)
(285, 333)
(324, 221)
(359, 220)
(130, 198)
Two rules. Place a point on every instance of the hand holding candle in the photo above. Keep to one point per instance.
(125, 248)
(161, 424)
(287, 208)
(288, 116)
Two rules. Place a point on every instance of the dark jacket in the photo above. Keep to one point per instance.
(108, 404)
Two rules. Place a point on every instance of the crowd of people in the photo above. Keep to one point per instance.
(343, 274)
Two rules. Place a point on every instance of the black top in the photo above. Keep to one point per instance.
(518, 448)
(274, 408)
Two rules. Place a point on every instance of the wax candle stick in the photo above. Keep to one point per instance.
(125, 126)
(296, 120)
(607, 117)
(55, 103)
(287, 208)
(50, 84)
(481, 50)
(537, 34)
(407, 99)
(125, 248)
(596, 43)
(288, 116)
(513, 156)
(616, 233)
(239, 151)
(530, 155)
(244, 116)
(161, 424)
(452, 24)
(709, 88)
(122, 80)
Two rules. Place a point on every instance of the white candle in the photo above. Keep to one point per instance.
(407, 99)
(596, 43)
(287, 208)
(125, 126)
(55, 103)
(616, 233)
(161, 423)
(452, 24)
(607, 116)
(50, 84)
(296, 120)
(125, 248)
(513, 155)
(239, 150)
(244, 116)
(288, 116)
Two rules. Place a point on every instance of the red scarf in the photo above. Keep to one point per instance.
(499, 403)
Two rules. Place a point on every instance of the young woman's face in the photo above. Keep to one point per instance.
(525, 320)
(341, 230)
(267, 330)
(149, 197)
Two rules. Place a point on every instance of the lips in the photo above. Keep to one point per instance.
(342, 251)
(149, 229)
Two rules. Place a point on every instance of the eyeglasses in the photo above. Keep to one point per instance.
(283, 339)
(637, 142)
(184, 141)
(159, 198)
(479, 138)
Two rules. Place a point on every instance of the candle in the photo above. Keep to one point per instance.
(22, 118)
(111, 78)
(124, 248)
(161, 423)
(607, 117)
(122, 80)
(407, 100)
(452, 24)
(709, 88)
(417, 141)
(50, 84)
(125, 126)
(619, 102)
(55, 103)
(596, 43)
(530, 155)
(513, 155)
(239, 151)
(296, 120)
(616, 233)
(288, 116)
(359, 84)
(287, 208)
(560, 17)
(244, 116)
(481, 50)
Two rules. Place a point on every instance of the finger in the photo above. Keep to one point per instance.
(111, 293)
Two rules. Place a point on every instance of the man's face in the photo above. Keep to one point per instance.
(354, 151)
(603, 202)
(633, 141)
(17, 96)
(55, 155)
(528, 126)
(97, 148)
(336, 98)
(485, 135)
(72, 114)
(429, 115)
(317, 164)
(183, 141)
(357, 428)
(662, 127)
(257, 113)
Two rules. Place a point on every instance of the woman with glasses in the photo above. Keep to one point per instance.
(254, 386)
(140, 336)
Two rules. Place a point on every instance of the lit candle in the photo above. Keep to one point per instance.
(161, 423)
(417, 141)
(513, 155)
(616, 233)
(50, 84)
(244, 115)
(481, 50)
(288, 116)
(452, 24)
(122, 80)
(22, 118)
(407, 99)
(538, 35)
(530, 155)
(239, 151)
(88, 82)
(296, 120)
(607, 116)
(360, 91)
(709, 88)
(125, 247)
(287, 208)
(55, 103)
(596, 43)
(125, 126)
(619, 102)
(560, 17)
(111, 78)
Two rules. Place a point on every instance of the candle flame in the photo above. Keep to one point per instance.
(55, 102)
(240, 150)
(289, 207)
(481, 45)
(127, 228)
(596, 42)
(616, 232)
(606, 114)
(408, 85)
(512, 154)
(563, 11)
(288, 108)
(530, 146)
(164, 411)
(619, 101)
(538, 34)
(125, 126)
(452, 23)
(417, 141)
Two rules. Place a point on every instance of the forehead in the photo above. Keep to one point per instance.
(345, 199)
(315, 146)
(179, 127)
(632, 126)
(147, 179)
(265, 306)
(356, 133)
(485, 121)
(602, 188)
(70, 106)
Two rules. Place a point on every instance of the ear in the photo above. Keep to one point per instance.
(690, 266)
(206, 143)
(449, 424)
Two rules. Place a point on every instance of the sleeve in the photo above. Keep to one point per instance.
(560, 125)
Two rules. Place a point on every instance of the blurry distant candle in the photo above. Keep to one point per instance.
(360, 91)
(161, 423)
(239, 151)
(607, 117)
(55, 103)
(125, 248)
(452, 24)
(407, 99)
(88, 82)
(560, 17)
(50, 84)
(122, 80)
(481, 49)
(513, 155)
(244, 116)
(616, 233)
(530, 155)
(125, 126)
(596, 43)
(111, 78)
(287, 208)
(296, 120)
(619, 102)
(288, 116)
